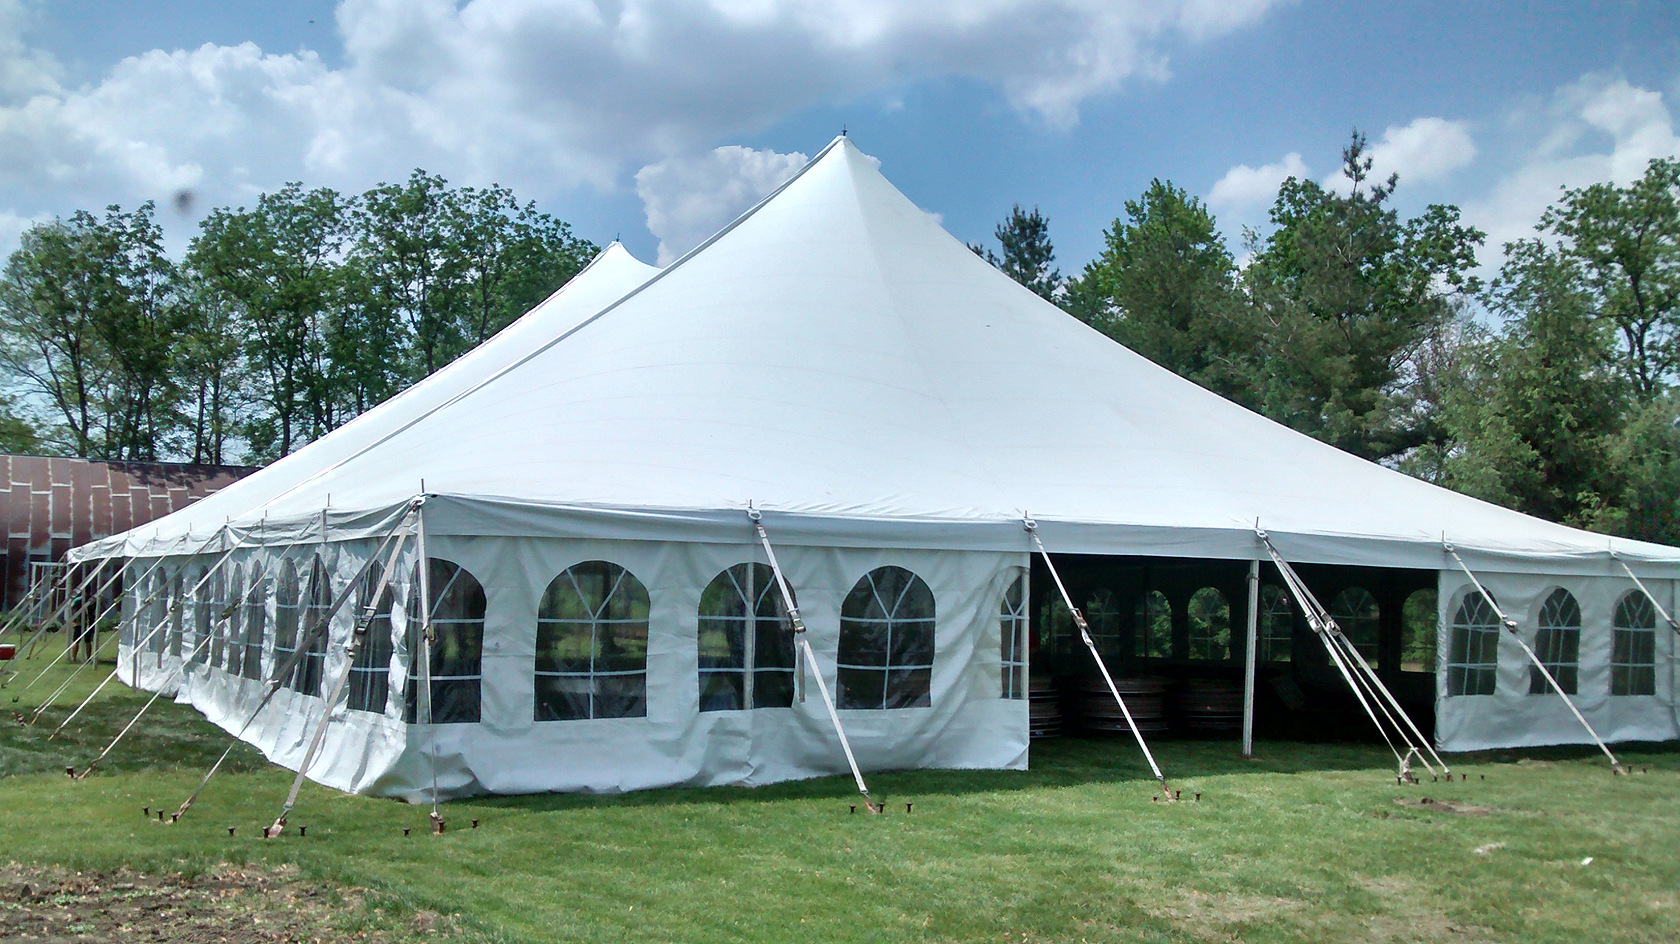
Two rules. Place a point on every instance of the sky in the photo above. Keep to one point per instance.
(658, 121)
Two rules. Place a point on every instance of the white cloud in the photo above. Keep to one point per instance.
(1427, 149)
(1245, 188)
(1594, 130)
(689, 198)
(541, 95)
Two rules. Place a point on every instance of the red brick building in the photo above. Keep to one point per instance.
(50, 505)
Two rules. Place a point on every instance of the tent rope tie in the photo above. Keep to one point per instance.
(352, 645)
(1667, 618)
(140, 642)
(41, 630)
(802, 645)
(1515, 632)
(1031, 527)
(90, 626)
(1367, 686)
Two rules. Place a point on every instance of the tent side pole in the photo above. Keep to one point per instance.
(1250, 656)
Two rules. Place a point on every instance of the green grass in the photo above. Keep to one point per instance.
(1305, 843)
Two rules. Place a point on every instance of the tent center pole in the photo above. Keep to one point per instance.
(1250, 655)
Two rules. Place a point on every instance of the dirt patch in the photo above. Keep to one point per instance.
(50, 905)
(1454, 807)
(1205, 914)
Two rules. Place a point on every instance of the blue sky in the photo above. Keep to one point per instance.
(612, 114)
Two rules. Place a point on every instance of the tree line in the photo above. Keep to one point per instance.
(1551, 389)
(281, 322)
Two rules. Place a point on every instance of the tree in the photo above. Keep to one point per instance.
(1027, 252)
(1346, 295)
(1627, 243)
(1164, 286)
(510, 257)
(406, 250)
(88, 317)
(278, 267)
(1537, 413)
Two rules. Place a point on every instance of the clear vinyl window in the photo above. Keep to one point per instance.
(1558, 644)
(1473, 657)
(457, 651)
(370, 672)
(745, 642)
(886, 642)
(1210, 625)
(1633, 648)
(592, 637)
(1355, 610)
(1012, 638)
(256, 620)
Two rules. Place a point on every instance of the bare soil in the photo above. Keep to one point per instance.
(225, 906)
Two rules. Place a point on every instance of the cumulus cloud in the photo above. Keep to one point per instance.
(541, 95)
(689, 198)
(1245, 188)
(1596, 129)
(1427, 149)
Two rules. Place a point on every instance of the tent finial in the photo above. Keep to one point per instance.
(842, 131)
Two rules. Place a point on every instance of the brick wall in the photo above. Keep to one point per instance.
(50, 505)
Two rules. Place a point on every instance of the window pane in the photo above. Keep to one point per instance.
(887, 621)
(1356, 612)
(1152, 626)
(591, 652)
(1210, 625)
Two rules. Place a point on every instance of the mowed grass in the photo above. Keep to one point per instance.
(1306, 843)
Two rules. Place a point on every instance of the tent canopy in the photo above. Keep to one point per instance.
(840, 361)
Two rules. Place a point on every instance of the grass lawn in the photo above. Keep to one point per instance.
(1306, 843)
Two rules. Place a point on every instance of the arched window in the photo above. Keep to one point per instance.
(234, 652)
(1419, 621)
(1557, 643)
(1210, 625)
(286, 607)
(457, 652)
(745, 642)
(177, 606)
(1056, 632)
(1277, 625)
(1012, 638)
(1356, 612)
(1152, 626)
(1102, 614)
(592, 635)
(886, 642)
(1633, 651)
(1473, 658)
(256, 616)
(311, 630)
(157, 629)
(370, 672)
(204, 610)
(218, 617)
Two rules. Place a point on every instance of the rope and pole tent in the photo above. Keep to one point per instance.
(283, 669)
(1367, 686)
(19, 613)
(802, 645)
(1090, 644)
(351, 646)
(1516, 634)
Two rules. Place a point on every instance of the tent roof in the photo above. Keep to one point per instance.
(835, 356)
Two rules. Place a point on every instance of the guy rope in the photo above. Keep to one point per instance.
(352, 645)
(808, 657)
(1661, 611)
(1085, 634)
(1367, 687)
(1515, 631)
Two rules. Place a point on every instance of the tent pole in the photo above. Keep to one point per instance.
(1251, 656)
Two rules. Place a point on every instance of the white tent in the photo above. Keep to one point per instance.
(886, 399)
